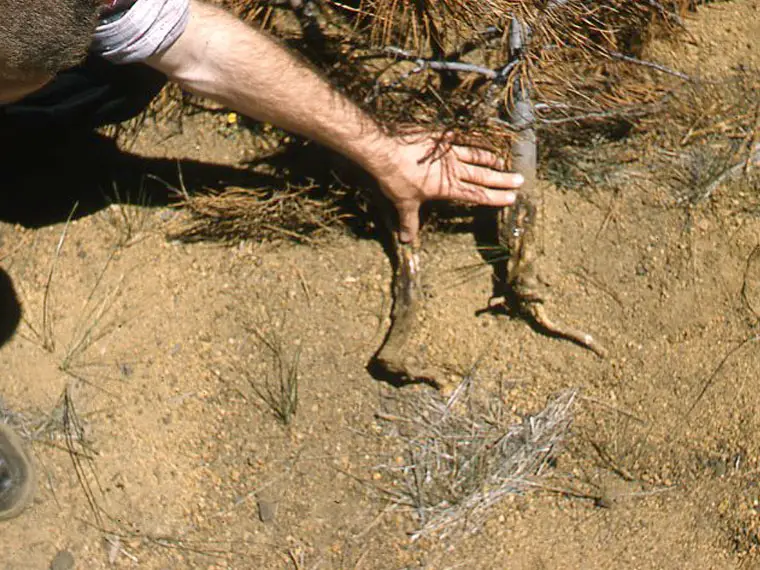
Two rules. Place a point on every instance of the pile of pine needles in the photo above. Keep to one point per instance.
(261, 214)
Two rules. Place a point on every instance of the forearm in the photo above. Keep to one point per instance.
(222, 58)
(219, 57)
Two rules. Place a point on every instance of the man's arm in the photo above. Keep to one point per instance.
(222, 58)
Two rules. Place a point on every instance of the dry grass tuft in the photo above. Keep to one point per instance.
(711, 137)
(279, 389)
(465, 457)
(128, 215)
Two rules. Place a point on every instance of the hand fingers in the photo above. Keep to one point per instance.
(488, 177)
(479, 156)
(472, 194)
(409, 223)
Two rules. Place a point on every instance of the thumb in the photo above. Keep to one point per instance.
(409, 223)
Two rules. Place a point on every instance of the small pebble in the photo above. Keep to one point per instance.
(64, 560)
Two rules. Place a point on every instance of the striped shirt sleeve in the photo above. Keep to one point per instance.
(133, 30)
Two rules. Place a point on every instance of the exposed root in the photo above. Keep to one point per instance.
(406, 292)
(524, 290)
(537, 311)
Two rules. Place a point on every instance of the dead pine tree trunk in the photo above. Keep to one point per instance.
(519, 281)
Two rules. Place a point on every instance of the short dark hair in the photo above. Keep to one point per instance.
(44, 37)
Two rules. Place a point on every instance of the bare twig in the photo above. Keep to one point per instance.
(651, 64)
(48, 339)
(437, 65)
(711, 379)
(730, 173)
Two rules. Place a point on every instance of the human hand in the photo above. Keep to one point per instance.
(430, 167)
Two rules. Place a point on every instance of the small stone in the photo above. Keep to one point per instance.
(604, 501)
(64, 560)
(267, 510)
(718, 467)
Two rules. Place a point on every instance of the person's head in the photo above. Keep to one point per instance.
(40, 38)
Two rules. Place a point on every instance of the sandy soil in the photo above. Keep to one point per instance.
(154, 344)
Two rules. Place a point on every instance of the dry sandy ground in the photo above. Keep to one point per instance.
(154, 344)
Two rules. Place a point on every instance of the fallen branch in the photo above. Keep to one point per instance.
(439, 65)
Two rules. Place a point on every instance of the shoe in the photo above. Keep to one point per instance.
(17, 476)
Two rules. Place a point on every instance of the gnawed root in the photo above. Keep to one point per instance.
(397, 357)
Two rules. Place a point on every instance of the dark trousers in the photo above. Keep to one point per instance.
(78, 100)
(50, 157)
